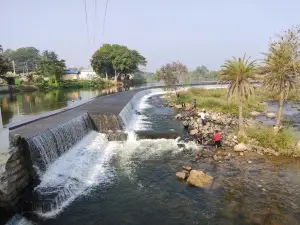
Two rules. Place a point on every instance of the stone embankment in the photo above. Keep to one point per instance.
(16, 172)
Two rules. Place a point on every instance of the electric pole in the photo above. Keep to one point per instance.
(13, 62)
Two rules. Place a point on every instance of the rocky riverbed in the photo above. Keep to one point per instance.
(227, 124)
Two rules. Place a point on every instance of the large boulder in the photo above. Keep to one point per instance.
(240, 147)
(178, 106)
(254, 113)
(198, 178)
(271, 115)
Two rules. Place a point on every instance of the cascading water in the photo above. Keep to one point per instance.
(46, 147)
(74, 173)
(18, 220)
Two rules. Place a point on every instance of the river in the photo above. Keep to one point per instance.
(134, 182)
(19, 106)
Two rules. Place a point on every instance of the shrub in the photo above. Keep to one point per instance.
(283, 141)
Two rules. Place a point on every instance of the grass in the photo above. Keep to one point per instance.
(216, 100)
(284, 141)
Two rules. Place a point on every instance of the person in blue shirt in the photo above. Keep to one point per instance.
(194, 103)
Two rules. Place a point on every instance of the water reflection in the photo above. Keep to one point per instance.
(16, 107)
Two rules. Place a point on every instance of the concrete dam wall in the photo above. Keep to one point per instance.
(35, 145)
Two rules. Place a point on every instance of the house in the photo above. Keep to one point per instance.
(87, 74)
(71, 74)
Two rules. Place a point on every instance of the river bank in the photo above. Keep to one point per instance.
(222, 116)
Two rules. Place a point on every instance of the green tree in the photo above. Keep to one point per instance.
(170, 74)
(238, 72)
(51, 66)
(115, 60)
(27, 57)
(5, 64)
(281, 66)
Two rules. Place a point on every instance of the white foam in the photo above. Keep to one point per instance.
(78, 171)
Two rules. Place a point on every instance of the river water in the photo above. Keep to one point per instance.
(19, 106)
(134, 182)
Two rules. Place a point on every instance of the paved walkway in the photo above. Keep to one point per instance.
(109, 104)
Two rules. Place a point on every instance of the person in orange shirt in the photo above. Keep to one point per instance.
(217, 137)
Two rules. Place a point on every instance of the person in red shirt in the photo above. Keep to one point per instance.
(217, 137)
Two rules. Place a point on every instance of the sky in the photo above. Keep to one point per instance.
(194, 32)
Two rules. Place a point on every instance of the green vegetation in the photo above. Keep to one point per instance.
(202, 73)
(238, 72)
(216, 100)
(50, 66)
(4, 62)
(116, 60)
(170, 74)
(284, 142)
(282, 66)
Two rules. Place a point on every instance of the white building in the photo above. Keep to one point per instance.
(87, 74)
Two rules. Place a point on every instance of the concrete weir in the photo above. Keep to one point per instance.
(37, 142)
(55, 134)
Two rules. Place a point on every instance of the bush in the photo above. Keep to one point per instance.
(283, 141)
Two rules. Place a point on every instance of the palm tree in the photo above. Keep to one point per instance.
(282, 67)
(238, 72)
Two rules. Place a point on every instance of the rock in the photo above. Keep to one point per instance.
(241, 153)
(254, 113)
(216, 158)
(213, 117)
(193, 132)
(185, 123)
(178, 106)
(271, 115)
(198, 178)
(240, 147)
(187, 168)
(249, 161)
(181, 175)
(178, 116)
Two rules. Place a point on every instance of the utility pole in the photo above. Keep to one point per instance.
(13, 62)
(1, 122)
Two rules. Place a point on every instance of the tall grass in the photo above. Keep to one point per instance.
(216, 100)
(284, 141)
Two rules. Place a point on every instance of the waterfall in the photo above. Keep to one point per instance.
(128, 114)
(84, 166)
(130, 119)
(18, 220)
(46, 147)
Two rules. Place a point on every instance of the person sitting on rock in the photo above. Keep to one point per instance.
(217, 137)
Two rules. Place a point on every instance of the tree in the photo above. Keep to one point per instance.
(238, 72)
(281, 66)
(50, 66)
(170, 73)
(5, 65)
(202, 73)
(27, 57)
(113, 60)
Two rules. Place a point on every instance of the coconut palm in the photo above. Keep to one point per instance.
(282, 67)
(238, 73)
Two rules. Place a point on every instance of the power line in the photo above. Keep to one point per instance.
(86, 20)
(104, 19)
(95, 21)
